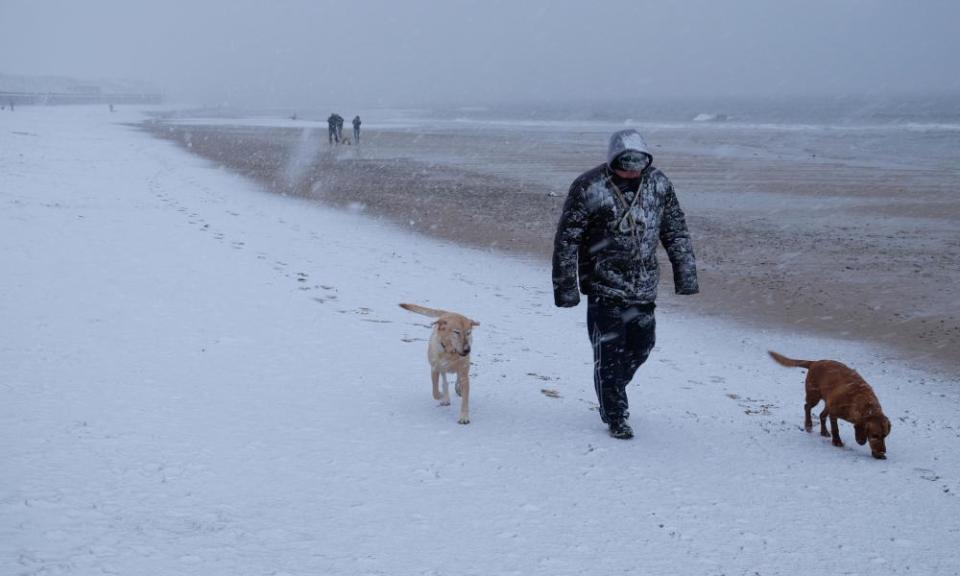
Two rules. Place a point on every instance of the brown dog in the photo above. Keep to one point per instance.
(845, 395)
(449, 351)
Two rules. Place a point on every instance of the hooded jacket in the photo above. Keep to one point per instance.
(607, 237)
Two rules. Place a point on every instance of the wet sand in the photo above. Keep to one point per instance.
(816, 240)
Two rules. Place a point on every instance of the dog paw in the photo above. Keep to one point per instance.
(463, 419)
(444, 402)
(838, 443)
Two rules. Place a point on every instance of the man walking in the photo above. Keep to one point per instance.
(356, 129)
(332, 128)
(613, 219)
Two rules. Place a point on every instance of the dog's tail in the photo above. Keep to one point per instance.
(431, 312)
(789, 362)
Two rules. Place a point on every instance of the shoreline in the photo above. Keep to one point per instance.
(846, 255)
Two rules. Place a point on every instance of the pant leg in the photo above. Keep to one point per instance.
(356, 135)
(640, 326)
(622, 338)
(608, 337)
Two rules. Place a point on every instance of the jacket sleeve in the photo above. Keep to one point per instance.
(566, 246)
(679, 247)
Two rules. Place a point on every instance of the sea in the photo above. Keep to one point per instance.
(920, 131)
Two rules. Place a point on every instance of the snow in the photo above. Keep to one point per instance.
(202, 378)
(633, 141)
(704, 117)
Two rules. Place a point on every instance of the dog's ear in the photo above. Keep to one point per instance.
(886, 426)
(861, 434)
(474, 323)
(442, 324)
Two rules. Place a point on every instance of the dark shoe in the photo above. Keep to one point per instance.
(620, 429)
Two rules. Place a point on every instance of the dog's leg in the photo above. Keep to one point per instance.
(835, 426)
(445, 399)
(463, 380)
(435, 377)
(823, 422)
(813, 398)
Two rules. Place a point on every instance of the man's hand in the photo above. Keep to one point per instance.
(568, 300)
(685, 279)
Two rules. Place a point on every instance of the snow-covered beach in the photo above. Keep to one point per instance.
(202, 378)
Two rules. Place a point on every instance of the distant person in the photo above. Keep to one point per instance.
(613, 219)
(332, 129)
(111, 107)
(356, 129)
(11, 105)
(339, 127)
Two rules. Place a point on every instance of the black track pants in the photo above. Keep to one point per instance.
(622, 336)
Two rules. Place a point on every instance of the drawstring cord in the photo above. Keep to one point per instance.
(627, 207)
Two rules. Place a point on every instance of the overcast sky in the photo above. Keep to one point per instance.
(410, 52)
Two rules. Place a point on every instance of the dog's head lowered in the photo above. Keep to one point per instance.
(874, 429)
(456, 333)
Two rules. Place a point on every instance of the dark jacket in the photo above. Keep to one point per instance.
(607, 237)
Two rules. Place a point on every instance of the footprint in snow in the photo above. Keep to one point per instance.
(927, 474)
